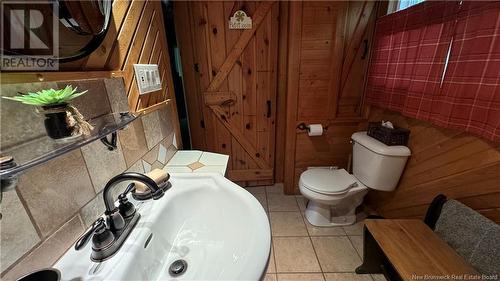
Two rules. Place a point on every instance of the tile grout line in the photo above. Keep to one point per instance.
(316, 254)
(310, 239)
(312, 236)
(355, 249)
(272, 242)
(302, 215)
(29, 213)
(282, 211)
(303, 272)
(90, 178)
(313, 272)
(341, 272)
(82, 224)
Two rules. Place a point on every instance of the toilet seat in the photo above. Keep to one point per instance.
(328, 181)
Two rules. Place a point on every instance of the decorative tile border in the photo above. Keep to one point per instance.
(195, 161)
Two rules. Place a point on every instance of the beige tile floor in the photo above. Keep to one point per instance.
(303, 252)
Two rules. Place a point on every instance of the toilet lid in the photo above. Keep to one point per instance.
(328, 181)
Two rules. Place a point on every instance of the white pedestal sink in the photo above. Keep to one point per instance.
(217, 227)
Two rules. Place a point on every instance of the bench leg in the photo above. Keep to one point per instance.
(373, 257)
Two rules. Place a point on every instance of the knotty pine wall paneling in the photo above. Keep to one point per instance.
(136, 35)
(454, 163)
(327, 61)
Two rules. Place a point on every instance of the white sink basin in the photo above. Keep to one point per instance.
(217, 227)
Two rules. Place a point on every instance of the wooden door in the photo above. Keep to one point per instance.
(230, 83)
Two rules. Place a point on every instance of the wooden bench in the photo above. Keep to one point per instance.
(410, 250)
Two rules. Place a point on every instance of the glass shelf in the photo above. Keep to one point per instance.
(43, 149)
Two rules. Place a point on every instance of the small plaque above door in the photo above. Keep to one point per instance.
(240, 20)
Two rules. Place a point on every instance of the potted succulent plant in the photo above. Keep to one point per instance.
(62, 120)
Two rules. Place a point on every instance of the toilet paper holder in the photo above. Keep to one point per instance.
(303, 126)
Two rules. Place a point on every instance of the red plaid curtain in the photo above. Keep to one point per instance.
(408, 71)
(470, 96)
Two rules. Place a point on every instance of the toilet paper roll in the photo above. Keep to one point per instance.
(315, 130)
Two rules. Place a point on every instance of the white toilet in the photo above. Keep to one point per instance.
(334, 194)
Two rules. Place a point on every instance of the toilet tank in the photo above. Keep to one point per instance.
(376, 165)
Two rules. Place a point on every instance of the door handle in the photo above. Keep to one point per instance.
(268, 109)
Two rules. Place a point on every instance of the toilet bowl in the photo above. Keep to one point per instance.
(333, 196)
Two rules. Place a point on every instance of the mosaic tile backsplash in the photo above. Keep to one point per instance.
(55, 202)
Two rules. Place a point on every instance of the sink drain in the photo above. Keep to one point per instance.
(177, 268)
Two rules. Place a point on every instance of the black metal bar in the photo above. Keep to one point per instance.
(434, 211)
(373, 256)
(374, 259)
(111, 145)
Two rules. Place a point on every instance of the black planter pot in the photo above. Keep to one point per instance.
(56, 123)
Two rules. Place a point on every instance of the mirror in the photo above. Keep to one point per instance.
(67, 29)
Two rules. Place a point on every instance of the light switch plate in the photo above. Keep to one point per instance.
(147, 77)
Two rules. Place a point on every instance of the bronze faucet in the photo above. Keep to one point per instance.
(109, 233)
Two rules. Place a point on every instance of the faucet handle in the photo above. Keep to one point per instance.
(85, 238)
(130, 188)
(126, 208)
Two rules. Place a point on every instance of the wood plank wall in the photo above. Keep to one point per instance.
(136, 35)
(327, 58)
(450, 162)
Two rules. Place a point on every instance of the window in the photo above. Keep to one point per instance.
(403, 4)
